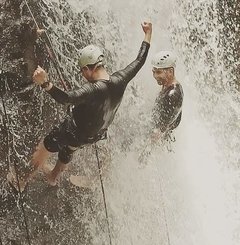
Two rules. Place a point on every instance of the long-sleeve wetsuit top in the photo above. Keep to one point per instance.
(95, 103)
(167, 111)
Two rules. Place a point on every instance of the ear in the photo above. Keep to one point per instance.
(84, 69)
(172, 70)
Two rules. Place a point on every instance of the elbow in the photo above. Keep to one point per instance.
(61, 101)
(140, 62)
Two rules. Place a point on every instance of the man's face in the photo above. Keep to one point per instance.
(162, 75)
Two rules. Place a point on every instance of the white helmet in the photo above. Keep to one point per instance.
(90, 55)
(164, 59)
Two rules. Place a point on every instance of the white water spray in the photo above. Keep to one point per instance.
(189, 196)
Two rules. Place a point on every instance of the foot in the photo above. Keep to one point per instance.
(46, 168)
(54, 176)
(81, 181)
(52, 180)
(18, 184)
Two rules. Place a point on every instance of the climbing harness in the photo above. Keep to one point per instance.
(168, 140)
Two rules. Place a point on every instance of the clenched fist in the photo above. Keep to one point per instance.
(39, 76)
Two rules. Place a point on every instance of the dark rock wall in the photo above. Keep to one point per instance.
(19, 51)
(31, 113)
(20, 54)
(229, 16)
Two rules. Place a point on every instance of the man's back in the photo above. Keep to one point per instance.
(96, 113)
(95, 103)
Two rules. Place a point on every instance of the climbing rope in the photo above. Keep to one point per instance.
(51, 52)
(103, 193)
(164, 212)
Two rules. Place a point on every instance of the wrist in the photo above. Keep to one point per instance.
(47, 85)
(147, 37)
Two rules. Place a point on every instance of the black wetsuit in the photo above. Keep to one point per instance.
(93, 109)
(167, 111)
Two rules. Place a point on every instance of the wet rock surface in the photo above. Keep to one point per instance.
(64, 214)
(20, 52)
(54, 215)
(229, 16)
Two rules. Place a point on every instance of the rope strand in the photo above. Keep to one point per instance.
(103, 193)
(51, 52)
(164, 212)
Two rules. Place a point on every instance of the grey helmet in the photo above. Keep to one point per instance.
(164, 59)
(90, 55)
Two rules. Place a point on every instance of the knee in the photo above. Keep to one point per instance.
(50, 144)
(65, 155)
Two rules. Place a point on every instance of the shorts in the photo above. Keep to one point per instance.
(63, 139)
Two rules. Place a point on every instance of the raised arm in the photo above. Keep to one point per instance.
(132, 69)
(147, 28)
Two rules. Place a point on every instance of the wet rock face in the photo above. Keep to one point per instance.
(229, 16)
(31, 113)
(211, 36)
(18, 56)
(20, 53)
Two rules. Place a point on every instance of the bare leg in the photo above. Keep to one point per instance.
(39, 158)
(55, 174)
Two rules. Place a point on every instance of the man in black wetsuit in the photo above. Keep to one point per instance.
(167, 111)
(93, 106)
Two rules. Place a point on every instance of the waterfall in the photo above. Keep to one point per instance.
(186, 192)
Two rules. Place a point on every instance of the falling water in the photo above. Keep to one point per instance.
(186, 195)
(189, 195)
